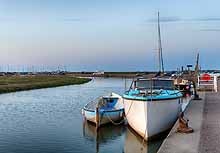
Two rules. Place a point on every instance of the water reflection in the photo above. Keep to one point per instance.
(134, 143)
(106, 133)
(50, 121)
(103, 135)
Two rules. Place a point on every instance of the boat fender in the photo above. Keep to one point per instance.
(83, 112)
(121, 114)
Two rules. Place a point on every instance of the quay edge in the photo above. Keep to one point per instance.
(182, 143)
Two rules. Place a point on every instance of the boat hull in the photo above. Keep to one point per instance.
(150, 118)
(104, 116)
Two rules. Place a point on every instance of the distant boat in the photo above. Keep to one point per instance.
(98, 73)
(106, 109)
(152, 105)
(185, 86)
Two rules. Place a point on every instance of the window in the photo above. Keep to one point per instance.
(143, 84)
(154, 84)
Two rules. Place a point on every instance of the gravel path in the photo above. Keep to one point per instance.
(210, 133)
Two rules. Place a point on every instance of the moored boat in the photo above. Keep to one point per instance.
(152, 106)
(185, 86)
(104, 110)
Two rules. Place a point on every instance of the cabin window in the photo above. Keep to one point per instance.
(163, 84)
(154, 84)
(143, 84)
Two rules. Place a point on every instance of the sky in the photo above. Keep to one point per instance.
(110, 35)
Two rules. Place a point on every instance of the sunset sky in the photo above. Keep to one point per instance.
(110, 35)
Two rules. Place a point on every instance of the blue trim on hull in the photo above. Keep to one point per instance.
(156, 96)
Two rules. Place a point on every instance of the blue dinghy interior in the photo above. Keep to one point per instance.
(104, 103)
(104, 109)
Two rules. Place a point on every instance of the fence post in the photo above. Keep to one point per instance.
(215, 84)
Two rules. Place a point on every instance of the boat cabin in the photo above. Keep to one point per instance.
(152, 89)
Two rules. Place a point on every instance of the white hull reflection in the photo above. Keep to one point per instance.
(134, 143)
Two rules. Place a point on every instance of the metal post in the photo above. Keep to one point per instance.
(196, 96)
(198, 81)
(215, 84)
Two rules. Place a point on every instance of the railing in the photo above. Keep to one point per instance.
(210, 83)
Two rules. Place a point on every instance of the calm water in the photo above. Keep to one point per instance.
(50, 121)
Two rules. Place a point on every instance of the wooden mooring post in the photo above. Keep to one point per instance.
(97, 118)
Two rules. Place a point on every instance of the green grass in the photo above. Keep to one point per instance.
(20, 83)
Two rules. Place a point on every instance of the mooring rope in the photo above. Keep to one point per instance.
(113, 122)
(124, 116)
(145, 132)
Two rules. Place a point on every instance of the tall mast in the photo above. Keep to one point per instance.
(161, 66)
(197, 65)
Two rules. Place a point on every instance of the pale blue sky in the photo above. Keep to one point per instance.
(113, 35)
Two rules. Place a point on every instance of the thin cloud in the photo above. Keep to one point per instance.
(208, 19)
(178, 19)
(7, 19)
(210, 30)
(166, 19)
(72, 19)
(46, 19)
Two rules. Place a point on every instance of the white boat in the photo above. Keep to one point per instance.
(104, 110)
(152, 106)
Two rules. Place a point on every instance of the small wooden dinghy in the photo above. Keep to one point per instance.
(104, 110)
